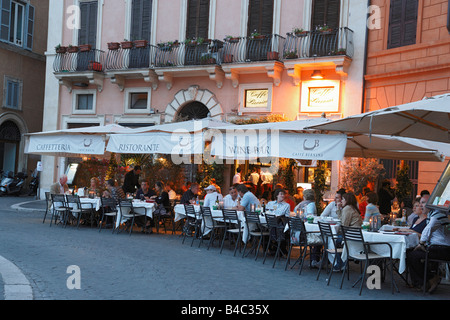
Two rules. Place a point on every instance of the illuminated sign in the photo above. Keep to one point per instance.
(256, 98)
(320, 96)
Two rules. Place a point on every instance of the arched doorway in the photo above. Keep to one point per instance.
(9, 146)
(193, 111)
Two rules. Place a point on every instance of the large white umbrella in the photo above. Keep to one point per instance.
(427, 119)
(187, 137)
(71, 142)
(293, 139)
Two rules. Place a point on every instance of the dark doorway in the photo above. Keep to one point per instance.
(192, 111)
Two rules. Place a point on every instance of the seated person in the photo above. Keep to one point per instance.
(308, 204)
(113, 192)
(279, 206)
(212, 196)
(371, 208)
(247, 198)
(333, 209)
(94, 187)
(231, 199)
(190, 194)
(169, 189)
(144, 192)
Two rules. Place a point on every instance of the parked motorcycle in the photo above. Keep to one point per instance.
(34, 183)
(12, 185)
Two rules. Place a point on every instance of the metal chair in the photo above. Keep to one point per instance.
(428, 259)
(127, 212)
(276, 231)
(48, 204)
(353, 236)
(328, 238)
(253, 219)
(191, 222)
(78, 210)
(232, 226)
(169, 216)
(59, 208)
(109, 209)
(209, 222)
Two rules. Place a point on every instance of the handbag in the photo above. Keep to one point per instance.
(314, 239)
(160, 210)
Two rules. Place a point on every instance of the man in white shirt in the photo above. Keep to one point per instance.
(237, 176)
(231, 199)
(170, 191)
(211, 196)
(333, 209)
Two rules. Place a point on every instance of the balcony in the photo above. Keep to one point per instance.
(318, 50)
(73, 66)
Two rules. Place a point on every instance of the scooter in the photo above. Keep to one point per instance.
(34, 183)
(12, 185)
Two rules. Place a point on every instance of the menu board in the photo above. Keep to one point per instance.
(440, 197)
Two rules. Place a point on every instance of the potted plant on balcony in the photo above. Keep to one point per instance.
(257, 36)
(113, 45)
(290, 54)
(272, 55)
(324, 29)
(60, 49)
(341, 51)
(207, 59)
(72, 49)
(299, 32)
(231, 39)
(95, 66)
(140, 43)
(85, 47)
(126, 44)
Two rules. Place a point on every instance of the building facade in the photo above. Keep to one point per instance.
(23, 41)
(143, 62)
(408, 58)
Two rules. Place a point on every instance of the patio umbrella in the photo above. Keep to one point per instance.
(427, 119)
(187, 137)
(293, 139)
(71, 142)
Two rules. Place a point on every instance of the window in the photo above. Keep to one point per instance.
(84, 101)
(197, 23)
(325, 12)
(17, 23)
(260, 17)
(141, 20)
(137, 100)
(402, 23)
(12, 97)
(88, 23)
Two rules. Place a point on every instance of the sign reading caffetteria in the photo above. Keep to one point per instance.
(256, 98)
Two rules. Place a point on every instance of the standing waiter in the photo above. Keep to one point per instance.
(131, 182)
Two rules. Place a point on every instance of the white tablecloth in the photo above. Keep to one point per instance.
(138, 207)
(180, 213)
(398, 242)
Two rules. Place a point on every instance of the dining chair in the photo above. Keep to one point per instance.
(210, 222)
(276, 231)
(59, 208)
(191, 223)
(232, 227)
(77, 209)
(259, 232)
(300, 237)
(127, 212)
(108, 209)
(164, 218)
(329, 240)
(428, 259)
(353, 237)
(48, 204)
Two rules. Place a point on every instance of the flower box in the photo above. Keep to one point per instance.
(72, 49)
(272, 55)
(85, 47)
(140, 43)
(61, 49)
(95, 66)
(113, 45)
(126, 44)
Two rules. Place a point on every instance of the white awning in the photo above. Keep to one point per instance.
(65, 145)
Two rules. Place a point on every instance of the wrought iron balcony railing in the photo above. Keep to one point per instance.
(131, 58)
(92, 60)
(189, 54)
(248, 49)
(319, 44)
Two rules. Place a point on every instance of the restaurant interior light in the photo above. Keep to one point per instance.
(317, 75)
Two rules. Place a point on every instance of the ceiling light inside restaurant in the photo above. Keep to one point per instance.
(317, 75)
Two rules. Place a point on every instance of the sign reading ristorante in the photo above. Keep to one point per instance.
(138, 147)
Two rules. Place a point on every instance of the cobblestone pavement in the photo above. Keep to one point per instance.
(156, 266)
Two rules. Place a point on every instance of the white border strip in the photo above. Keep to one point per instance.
(17, 286)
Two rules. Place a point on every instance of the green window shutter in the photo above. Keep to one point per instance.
(29, 28)
(88, 25)
(402, 23)
(260, 17)
(326, 12)
(141, 20)
(197, 22)
(5, 19)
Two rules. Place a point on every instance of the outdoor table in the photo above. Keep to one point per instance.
(216, 215)
(149, 206)
(398, 241)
